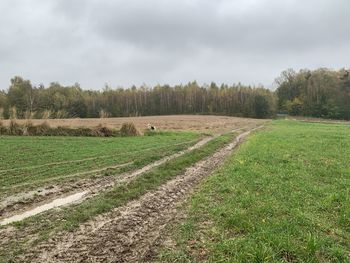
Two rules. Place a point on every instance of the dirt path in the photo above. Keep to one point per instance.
(126, 234)
(13, 207)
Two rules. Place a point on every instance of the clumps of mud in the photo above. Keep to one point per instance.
(55, 203)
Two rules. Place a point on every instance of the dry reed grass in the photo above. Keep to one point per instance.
(198, 123)
(44, 129)
(129, 129)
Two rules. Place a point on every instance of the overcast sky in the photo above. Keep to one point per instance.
(94, 42)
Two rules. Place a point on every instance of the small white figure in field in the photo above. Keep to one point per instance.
(151, 127)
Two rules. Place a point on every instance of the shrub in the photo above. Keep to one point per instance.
(13, 112)
(62, 114)
(129, 129)
(43, 129)
(14, 128)
(1, 114)
(29, 114)
(27, 128)
(46, 114)
(104, 131)
(3, 129)
(104, 114)
(61, 131)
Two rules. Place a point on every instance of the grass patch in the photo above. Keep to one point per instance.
(67, 219)
(29, 162)
(283, 197)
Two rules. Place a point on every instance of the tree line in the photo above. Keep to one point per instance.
(23, 100)
(321, 93)
(317, 93)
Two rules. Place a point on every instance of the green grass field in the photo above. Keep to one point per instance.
(34, 161)
(283, 197)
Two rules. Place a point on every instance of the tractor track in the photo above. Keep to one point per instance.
(27, 201)
(14, 206)
(127, 233)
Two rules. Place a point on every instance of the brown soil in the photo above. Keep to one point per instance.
(126, 234)
(200, 123)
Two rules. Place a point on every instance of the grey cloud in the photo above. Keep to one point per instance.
(259, 28)
(168, 41)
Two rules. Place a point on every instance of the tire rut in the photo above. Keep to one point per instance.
(127, 233)
(92, 187)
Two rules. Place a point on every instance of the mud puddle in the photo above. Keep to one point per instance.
(56, 203)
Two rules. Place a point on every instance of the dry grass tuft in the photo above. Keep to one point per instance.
(104, 114)
(104, 131)
(27, 127)
(43, 128)
(3, 128)
(13, 113)
(129, 129)
(1, 114)
(46, 114)
(14, 128)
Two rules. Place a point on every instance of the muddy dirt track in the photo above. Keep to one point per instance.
(12, 206)
(126, 234)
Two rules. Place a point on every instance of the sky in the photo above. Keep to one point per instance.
(121, 43)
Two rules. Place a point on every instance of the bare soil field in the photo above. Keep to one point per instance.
(198, 123)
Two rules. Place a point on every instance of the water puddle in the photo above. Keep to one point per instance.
(55, 203)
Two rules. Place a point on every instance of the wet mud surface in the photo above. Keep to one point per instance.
(24, 202)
